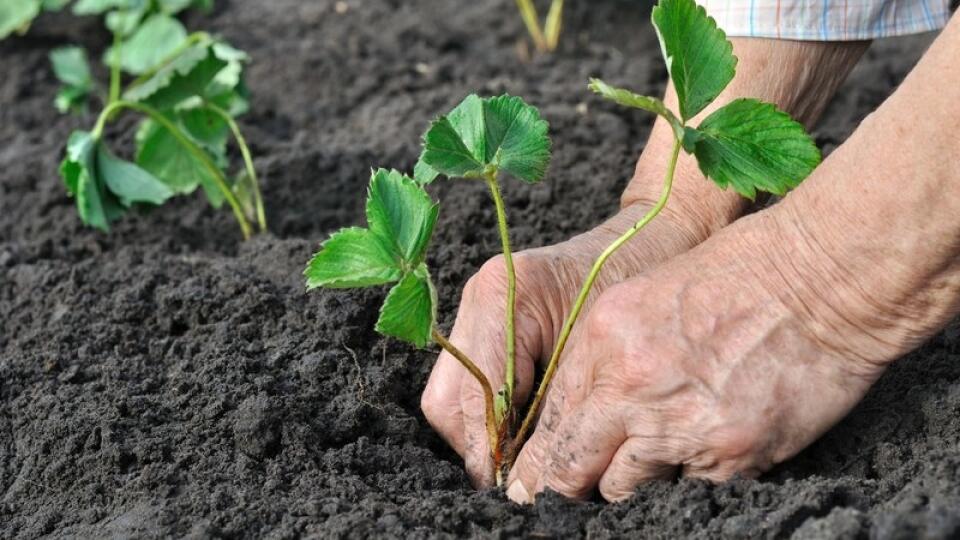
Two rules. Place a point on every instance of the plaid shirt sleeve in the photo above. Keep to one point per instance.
(827, 20)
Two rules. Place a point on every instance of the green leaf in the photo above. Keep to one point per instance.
(54, 5)
(626, 98)
(97, 7)
(161, 154)
(130, 183)
(517, 140)
(187, 75)
(71, 99)
(753, 146)
(401, 214)
(698, 55)
(78, 171)
(155, 40)
(409, 311)
(206, 128)
(486, 135)
(126, 21)
(71, 67)
(446, 152)
(424, 174)
(352, 257)
(16, 15)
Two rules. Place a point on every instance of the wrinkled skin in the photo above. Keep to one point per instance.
(549, 278)
(453, 401)
(698, 367)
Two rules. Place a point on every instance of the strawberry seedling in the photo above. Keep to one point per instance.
(187, 87)
(480, 140)
(747, 145)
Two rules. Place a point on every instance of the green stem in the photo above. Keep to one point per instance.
(115, 69)
(510, 376)
(189, 145)
(484, 384)
(247, 161)
(534, 410)
(554, 24)
(528, 12)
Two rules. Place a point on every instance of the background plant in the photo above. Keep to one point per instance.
(189, 89)
(546, 38)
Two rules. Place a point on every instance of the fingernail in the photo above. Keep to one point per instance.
(518, 494)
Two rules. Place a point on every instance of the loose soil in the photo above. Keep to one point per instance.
(168, 380)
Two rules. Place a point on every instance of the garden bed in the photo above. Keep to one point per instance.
(167, 379)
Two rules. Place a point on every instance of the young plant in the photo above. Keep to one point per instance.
(481, 139)
(189, 89)
(747, 144)
(543, 41)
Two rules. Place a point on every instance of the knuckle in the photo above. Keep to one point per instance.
(490, 279)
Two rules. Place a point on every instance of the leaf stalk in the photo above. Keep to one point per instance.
(492, 434)
(115, 69)
(528, 12)
(247, 161)
(534, 411)
(189, 145)
(511, 308)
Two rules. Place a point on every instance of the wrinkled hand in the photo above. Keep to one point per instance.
(712, 364)
(548, 280)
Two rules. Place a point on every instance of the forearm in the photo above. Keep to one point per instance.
(884, 225)
(800, 77)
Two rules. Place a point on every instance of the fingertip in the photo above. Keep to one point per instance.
(518, 493)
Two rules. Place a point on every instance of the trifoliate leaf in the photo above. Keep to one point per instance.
(155, 40)
(401, 214)
(752, 146)
(698, 55)
(622, 96)
(353, 257)
(187, 75)
(481, 136)
(409, 311)
(162, 155)
(16, 15)
(128, 182)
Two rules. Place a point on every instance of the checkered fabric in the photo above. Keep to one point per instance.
(827, 20)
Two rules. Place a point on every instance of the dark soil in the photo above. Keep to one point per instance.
(168, 380)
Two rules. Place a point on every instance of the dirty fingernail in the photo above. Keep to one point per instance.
(518, 494)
